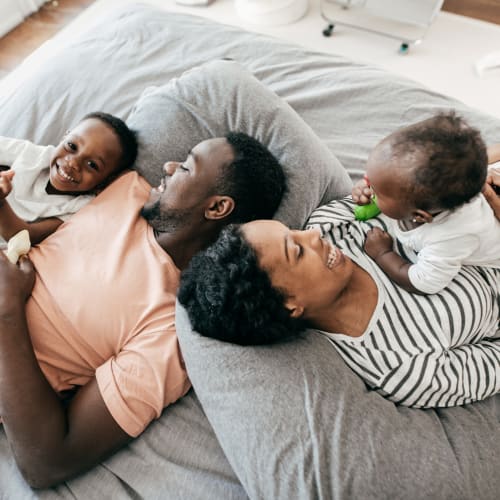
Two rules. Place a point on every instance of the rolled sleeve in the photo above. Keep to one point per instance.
(147, 375)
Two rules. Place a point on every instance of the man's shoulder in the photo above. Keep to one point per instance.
(130, 178)
(127, 184)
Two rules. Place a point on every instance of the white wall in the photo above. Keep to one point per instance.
(12, 12)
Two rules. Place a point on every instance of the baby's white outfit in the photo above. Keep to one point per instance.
(469, 235)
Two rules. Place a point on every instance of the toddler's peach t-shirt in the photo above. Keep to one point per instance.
(103, 305)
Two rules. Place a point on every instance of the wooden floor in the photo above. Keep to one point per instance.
(40, 26)
(487, 10)
(53, 15)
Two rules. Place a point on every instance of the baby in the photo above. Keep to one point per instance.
(427, 178)
(53, 182)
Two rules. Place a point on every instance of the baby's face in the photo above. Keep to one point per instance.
(390, 183)
(85, 158)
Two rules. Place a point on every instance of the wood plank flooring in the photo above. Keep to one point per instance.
(487, 10)
(36, 29)
(53, 15)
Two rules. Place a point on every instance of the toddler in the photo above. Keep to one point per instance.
(41, 186)
(427, 179)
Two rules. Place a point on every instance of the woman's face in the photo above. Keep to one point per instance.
(310, 271)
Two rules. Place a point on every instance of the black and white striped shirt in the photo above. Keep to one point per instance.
(420, 350)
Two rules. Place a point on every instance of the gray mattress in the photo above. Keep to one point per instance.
(281, 422)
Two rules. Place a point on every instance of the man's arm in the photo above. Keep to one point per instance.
(50, 442)
(378, 246)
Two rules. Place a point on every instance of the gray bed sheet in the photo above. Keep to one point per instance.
(351, 107)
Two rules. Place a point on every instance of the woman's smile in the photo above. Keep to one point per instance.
(334, 256)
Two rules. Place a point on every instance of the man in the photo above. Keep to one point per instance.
(99, 324)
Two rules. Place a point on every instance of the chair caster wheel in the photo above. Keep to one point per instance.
(328, 30)
(404, 48)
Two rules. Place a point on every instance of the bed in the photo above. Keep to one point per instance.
(280, 422)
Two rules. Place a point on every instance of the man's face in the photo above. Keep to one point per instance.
(186, 187)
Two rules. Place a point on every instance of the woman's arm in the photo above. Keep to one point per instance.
(491, 190)
(493, 153)
(459, 375)
(51, 442)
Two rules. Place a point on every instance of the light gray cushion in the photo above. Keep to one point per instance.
(177, 457)
(295, 422)
(222, 96)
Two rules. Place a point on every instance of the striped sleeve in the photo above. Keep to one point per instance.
(453, 377)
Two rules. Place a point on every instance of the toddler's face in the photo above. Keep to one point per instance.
(389, 182)
(85, 158)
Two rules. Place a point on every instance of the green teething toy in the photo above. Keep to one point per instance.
(365, 212)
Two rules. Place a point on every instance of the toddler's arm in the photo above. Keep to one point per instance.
(11, 224)
(378, 245)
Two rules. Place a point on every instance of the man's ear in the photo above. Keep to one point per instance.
(295, 310)
(219, 207)
(422, 216)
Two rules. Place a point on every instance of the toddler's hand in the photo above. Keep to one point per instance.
(361, 192)
(377, 243)
(6, 183)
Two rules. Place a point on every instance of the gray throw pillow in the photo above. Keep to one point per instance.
(221, 96)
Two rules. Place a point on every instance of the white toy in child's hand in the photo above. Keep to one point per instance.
(18, 245)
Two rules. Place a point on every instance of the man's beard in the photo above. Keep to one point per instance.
(166, 221)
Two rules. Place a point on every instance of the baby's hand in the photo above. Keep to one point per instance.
(6, 183)
(361, 192)
(377, 243)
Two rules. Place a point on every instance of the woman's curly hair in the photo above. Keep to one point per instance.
(229, 297)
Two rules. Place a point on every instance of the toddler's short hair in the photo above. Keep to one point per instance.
(452, 160)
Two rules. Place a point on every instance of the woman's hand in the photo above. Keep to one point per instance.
(16, 282)
(490, 189)
(377, 243)
(361, 193)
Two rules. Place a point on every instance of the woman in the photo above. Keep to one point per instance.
(262, 282)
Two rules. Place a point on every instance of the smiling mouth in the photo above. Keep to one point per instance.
(332, 256)
(161, 187)
(64, 174)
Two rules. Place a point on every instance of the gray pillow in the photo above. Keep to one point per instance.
(222, 96)
(295, 422)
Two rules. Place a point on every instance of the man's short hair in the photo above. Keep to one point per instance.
(254, 179)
